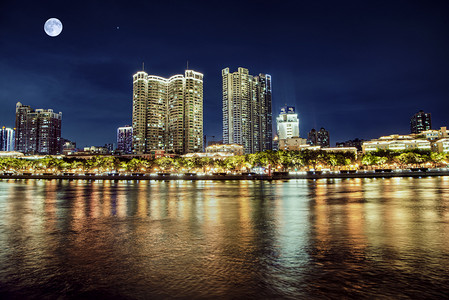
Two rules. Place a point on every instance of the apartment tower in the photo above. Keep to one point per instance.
(247, 117)
(37, 131)
(420, 121)
(168, 113)
(319, 138)
(125, 139)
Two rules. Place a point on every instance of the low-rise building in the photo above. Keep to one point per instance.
(218, 151)
(341, 149)
(68, 147)
(213, 155)
(11, 154)
(441, 146)
(96, 150)
(434, 134)
(292, 143)
(234, 149)
(396, 142)
(302, 145)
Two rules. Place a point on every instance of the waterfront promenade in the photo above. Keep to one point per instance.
(418, 172)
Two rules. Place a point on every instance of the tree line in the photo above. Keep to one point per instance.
(274, 160)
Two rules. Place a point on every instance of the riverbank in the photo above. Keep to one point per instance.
(248, 176)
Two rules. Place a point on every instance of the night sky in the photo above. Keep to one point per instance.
(357, 68)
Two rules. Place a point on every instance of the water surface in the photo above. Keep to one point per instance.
(298, 239)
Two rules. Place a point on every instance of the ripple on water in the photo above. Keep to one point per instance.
(301, 239)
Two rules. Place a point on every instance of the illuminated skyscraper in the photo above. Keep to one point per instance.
(6, 139)
(420, 121)
(168, 113)
(37, 131)
(193, 113)
(125, 139)
(287, 123)
(247, 117)
(21, 138)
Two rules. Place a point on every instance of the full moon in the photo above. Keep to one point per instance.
(53, 27)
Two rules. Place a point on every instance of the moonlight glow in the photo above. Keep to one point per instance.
(53, 27)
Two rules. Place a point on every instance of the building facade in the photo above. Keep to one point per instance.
(125, 139)
(318, 138)
(7, 139)
(226, 148)
(441, 146)
(37, 131)
(434, 134)
(287, 123)
(292, 143)
(167, 113)
(247, 116)
(420, 121)
(396, 142)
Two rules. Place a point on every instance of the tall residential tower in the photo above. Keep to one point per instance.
(168, 113)
(247, 117)
(125, 139)
(420, 121)
(318, 138)
(37, 131)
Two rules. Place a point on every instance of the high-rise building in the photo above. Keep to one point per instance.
(21, 138)
(37, 131)
(312, 137)
(318, 138)
(420, 121)
(7, 139)
(287, 123)
(168, 113)
(125, 139)
(247, 116)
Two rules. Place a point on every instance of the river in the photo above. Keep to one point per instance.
(297, 239)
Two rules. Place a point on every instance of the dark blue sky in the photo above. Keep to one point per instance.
(357, 68)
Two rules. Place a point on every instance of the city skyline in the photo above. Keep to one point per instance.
(359, 71)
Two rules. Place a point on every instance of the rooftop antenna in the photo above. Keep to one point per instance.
(143, 66)
(187, 65)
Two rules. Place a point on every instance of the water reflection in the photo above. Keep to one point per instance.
(327, 238)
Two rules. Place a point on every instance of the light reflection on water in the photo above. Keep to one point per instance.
(355, 238)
